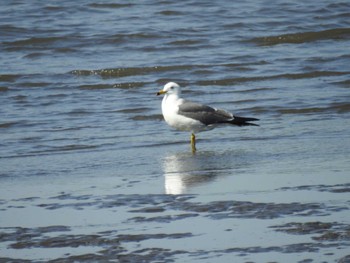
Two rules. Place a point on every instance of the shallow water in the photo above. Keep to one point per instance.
(90, 171)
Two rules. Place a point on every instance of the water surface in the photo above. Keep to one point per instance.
(91, 172)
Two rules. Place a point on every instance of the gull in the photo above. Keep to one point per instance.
(185, 115)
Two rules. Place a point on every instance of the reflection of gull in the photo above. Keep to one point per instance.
(183, 170)
(174, 184)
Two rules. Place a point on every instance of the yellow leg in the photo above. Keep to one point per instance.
(193, 143)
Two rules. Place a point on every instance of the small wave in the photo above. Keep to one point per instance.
(334, 107)
(170, 13)
(33, 41)
(54, 8)
(345, 83)
(65, 50)
(156, 117)
(129, 85)
(304, 75)
(125, 72)
(35, 84)
(79, 112)
(9, 77)
(2, 89)
(314, 74)
(96, 86)
(35, 55)
(39, 45)
(7, 30)
(340, 107)
(298, 38)
(256, 90)
(262, 110)
(185, 42)
(109, 5)
(52, 150)
(126, 38)
(137, 71)
(6, 125)
(73, 147)
(58, 149)
(125, 85)
(134, 110)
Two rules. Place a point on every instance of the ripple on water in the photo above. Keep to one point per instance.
(304, 37)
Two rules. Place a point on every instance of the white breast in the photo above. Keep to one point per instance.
(170, 110)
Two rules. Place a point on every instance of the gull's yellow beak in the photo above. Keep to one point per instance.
(161, 92)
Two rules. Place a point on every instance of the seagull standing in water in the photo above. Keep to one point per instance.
(194, 117)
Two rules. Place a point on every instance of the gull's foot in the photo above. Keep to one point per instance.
(193, 143)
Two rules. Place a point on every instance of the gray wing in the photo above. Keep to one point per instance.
(203, 113)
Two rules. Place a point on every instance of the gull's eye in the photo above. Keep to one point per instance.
(171, 87)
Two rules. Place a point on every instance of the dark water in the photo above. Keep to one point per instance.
(90, 172)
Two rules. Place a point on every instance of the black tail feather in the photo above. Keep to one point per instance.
(241, 121)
